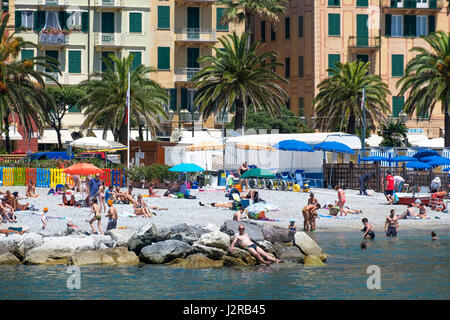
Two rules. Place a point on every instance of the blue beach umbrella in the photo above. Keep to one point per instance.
(293, 145)
(186, 167)
(418, 165)
(435, 161)
(333, 146)
(374, 159)
(425, 153)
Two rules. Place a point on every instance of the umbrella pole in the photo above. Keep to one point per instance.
(292, 158)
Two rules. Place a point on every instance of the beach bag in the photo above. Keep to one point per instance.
(395, 198)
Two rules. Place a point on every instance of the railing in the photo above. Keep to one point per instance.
(218, 118)
(109, 39)
(109, 3)
(195, 34)
(53, 2)
(52, 38)
(185, 74)
(364, 42)
(412, 4)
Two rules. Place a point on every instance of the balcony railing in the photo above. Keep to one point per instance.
(109, 39)
(53, 2)
(413, 4)
(109, 3)
(196, 34)
(52, 38)
(364, 42)
(185, 74)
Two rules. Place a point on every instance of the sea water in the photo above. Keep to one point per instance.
(411, 267)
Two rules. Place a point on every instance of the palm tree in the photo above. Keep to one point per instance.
(393, 133)
(246, 10)
(22, 84)
(237, 77)
(427, 77)
(106, 94)
(338, 103)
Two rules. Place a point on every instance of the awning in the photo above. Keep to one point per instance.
(13, 134)
(49, 136)
(134, 134)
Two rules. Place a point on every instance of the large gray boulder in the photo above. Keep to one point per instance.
(290, 254)
(278, 235)
(165, 251)
(102, 241)
(230, 227)
(210, 252)
(119, 255)
(145, 235)
(215, 239)
(196, 261)
(306, 244)
(186, 233)
(121, 237)
(7, 258)
(19, 245)
(266, 246)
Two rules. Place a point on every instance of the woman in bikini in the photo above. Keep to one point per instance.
(31, 190)
(243, 169)
(140, 208)
(101, 196)
(67, 203)
(97, 216)
(341, 199)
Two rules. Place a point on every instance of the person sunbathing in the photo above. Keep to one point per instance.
(31, 190)
(13, 202)
(9, 231)
(140, 208)
(7, 212)
(151, 192)
(67, 203)
(126, 197)
(409, 213)
(423, 212)
(334, 210)
(234, 205)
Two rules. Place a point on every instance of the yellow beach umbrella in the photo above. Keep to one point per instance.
(205, 145)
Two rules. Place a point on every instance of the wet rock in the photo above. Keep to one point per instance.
(244, 256)
(215, 239)
(290, 254)
(197, 261)
(312, 260)
(164, 251)
(306, 244)
(230, 227)
(119, 255)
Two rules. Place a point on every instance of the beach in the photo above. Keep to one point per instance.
(190, 212)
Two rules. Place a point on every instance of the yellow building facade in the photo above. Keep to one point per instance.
(314, 34)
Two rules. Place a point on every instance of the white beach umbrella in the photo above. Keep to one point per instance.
(91, 143)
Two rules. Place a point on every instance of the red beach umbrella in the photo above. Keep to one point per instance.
(83, 169)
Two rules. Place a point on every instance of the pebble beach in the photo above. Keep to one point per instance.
(190, 212)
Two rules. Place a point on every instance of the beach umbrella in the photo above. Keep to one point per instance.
(374, 159)
(91, 143)
(82, 169)
(186, 167)
(435, 161)
(425, 153)
(204, 146)
(418, 165)
(401, 159)
(258, 173)
(293, 145)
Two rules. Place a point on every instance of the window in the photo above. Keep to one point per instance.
(300, 66)
(105, 55)
(288, 104)
(107, 22)
(163, 17)
(409, 25)
(301, 106)
(332, 59)
(263, 31)
(287, 67)
(74, 61)
(334, 3)
(397, 65)
(74, 21)
(422, 4)
(273, 33)
(137, 59)
(300, 26)
(85, 21)
(287, 28)
(173, 99)
(136, 22)
(334, 24)
(27, 54)
(397, 105)
(219, 14)
(74, 108)
(421, 26)
(53, 54)
(397, 26)
(163, 58)
(273, 64)
(362, 3)
(192, 56)
(39, 20)
(431, 24)
(24, 19)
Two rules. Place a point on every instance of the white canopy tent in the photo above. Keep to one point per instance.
(430, 143)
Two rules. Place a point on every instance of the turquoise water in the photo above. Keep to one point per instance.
(412, 267)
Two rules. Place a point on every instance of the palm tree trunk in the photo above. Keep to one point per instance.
(7, 140)
(351, 127)
(447, 122)
(238, 117)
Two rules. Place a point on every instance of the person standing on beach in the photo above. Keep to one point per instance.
(390, 185)
(398, 183)
(362, 182)
(97, 216)
(308, 212)
(94, 185)
(391, 225)
(76, 183)
(341, 199)
(44, 218)
(312, 199)
(112, 215)
(243, 169)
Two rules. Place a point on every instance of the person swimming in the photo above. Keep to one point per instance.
(433, 235)
(368, 229)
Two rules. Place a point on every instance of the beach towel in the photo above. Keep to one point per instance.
(19, 229)
(127, 215)
(51, 217)
(337, 217)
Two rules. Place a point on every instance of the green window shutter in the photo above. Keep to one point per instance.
(219, 15)
(300, 26)
(362, 3)
(27, 54)
(334, 24)
(39, 20)
(74, 61)
(433, 4)
(192, 56)
(18, 19)
(431, 24)
(85, 21)
(334, 3)
(287, 28)
(300, 66)
(288, 104)
(164, 58)
(273, 33)
(173, 99)
(105, 54)
(393, 3)
(137, 59)
(409, 25)
(136, 22)
(287, 67)
(397, 65)
(107, 22)
(163, 17)
(332, 59)
(53, 54)
(62, 15)
(184, 98)
(397, 105)
(301, 106)
(263, 31)
(388, 26)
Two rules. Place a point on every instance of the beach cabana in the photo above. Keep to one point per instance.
(293, 146)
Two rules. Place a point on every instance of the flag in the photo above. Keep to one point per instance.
(128, 100)
(363, 98)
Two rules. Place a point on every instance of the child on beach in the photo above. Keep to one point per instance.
(309, 211)
(341, 199)
(292, 226)
(112, 215)
(97, 216)
(44, 218)
(101, 197)
(312, 199)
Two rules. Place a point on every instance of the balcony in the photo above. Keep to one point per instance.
(412, 6)
(364, 43)
(109, 40)
(53, 39)
(53, 3)
(109, 4)
(195, 35)
(185, 74)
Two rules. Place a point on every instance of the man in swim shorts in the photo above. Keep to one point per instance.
(112, 215)
(390, 185)
(243, 240)
(391, 225)
(368, 229)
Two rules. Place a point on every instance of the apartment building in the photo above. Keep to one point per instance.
(167, 35)
(314, 34)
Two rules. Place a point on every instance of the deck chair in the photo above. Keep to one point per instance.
(299, 178)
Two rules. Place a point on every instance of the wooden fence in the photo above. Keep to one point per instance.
(347, 175)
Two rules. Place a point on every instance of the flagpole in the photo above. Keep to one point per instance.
(128, 124)
(364, 122)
